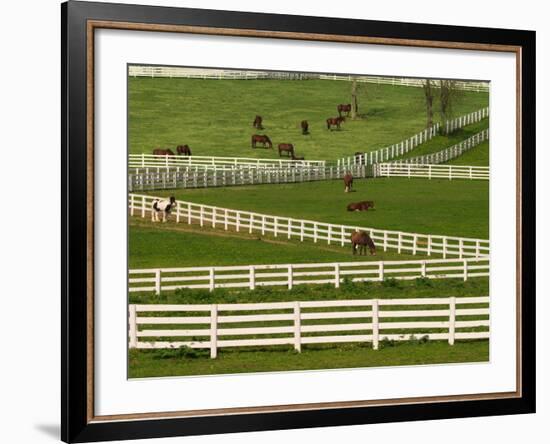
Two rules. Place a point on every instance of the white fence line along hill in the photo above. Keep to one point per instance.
(289, 275)
(159, 161)
(208, 176)
(448, 153)
(290, 228)
(431, 171)
(219, 74)
(407, 145)
(216, 326)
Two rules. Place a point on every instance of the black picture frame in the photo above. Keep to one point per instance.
(77, 423)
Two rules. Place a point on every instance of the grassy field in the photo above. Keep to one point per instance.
(215, 116)
(439, 143)
(477, 156)
(169, 363)
(445, 207)
(181, 245)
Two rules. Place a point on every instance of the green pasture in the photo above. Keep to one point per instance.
(436, 206)
(180, 245)
(214, 117)
(158, 363)
(477, 156)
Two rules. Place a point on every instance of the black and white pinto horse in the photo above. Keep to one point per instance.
(162, 206)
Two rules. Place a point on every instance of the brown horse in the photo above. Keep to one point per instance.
(305, 127)
(361, 206)
(348, 182)
(287, 148)
(344, 108)
(362, 240)
(163, 152)
(263, 139)
(334, 121)
(258, 123)
(183, 150)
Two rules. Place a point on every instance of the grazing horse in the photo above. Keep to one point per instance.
(164, 206)
(344, 108)
(336, 121)
(361, 206)
(362, 240)
(183, 150)
(287, 148)
(305, 127)
(263, 139)
(348, 182)
(163, 152)
(257, 123)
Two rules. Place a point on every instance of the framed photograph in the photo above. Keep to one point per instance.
(276, 222)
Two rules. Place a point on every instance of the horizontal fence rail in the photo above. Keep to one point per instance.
(289, 275)
(215, 326)
(448, 153)
(405, 146)
(432, 171)
(203, 177)
(205, 73)
(225, 218)
(157, 161)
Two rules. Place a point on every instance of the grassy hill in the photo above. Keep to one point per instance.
(215, 116)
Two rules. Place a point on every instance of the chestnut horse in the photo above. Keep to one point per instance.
(263, 139)
(362, 240)
(348, 182)
(163, 152)
(258, 123)
(334, 121)
(305, 127)
(183, 150)
(361, 206)
(344, 108)
(287, 148)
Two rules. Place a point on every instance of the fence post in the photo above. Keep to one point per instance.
(399, 242)
(381, 271)
(157, 281)
(297, 327)
(250, 223)
(329, 233)
(132, 324)
(375, 329)
(142, 206)
(213, 331)
(465, 268)
(275, 226)
(429, 245)
(289, 228)
(452, 317)
(263, 225)
(343, 234)
(212, 279)
(460, 248)
(289, 273)
(302, 228)
(315, 232)
(251, 277)
(444, 247)
(336, 275)
(385, 240)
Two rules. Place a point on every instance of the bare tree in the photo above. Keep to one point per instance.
(429, 95)
(354, 104)
(447, 99)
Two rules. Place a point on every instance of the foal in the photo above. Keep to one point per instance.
(164, 206)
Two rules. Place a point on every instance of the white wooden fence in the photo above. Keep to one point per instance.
(205, 73)
(215, 326)
(462, 121)
(402, 242)
(158, 161)
(202, 177)
(431, 171)
(448, 153)
(392, 151)
(405, 146)
(289, 275)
